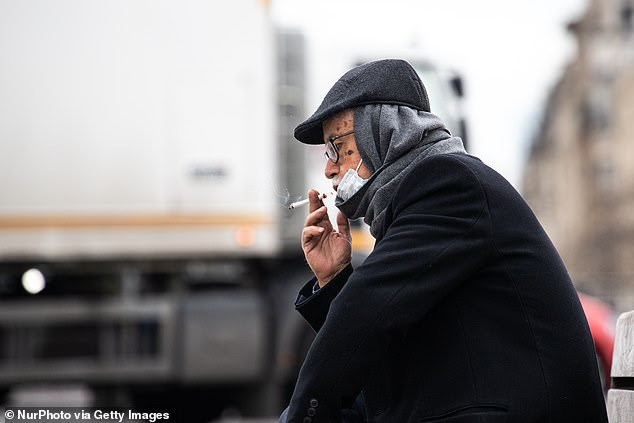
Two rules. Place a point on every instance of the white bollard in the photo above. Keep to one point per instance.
(621, 395)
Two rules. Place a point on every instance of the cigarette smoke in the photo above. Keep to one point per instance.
(286, 199)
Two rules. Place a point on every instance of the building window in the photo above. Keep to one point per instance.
(627, 15)
(595, 110)
(605, 180)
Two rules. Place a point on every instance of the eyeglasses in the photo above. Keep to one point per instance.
(332, 150)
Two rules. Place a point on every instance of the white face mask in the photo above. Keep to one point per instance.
(350, 183)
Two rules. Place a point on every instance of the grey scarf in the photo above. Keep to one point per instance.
(392, 140)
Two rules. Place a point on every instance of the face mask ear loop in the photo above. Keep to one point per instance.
(358, 166)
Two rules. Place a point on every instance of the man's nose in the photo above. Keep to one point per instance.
(331, 170)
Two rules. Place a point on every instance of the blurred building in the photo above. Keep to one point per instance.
(580, 175)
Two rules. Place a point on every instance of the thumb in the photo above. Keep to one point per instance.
(343, 225)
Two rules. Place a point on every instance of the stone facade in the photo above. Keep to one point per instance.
(579, 178)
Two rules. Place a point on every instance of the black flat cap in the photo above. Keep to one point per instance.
(389, 81)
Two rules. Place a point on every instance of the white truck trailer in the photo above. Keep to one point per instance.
(145, 166)
(146, 162)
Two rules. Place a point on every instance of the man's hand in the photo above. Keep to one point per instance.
(327, 251)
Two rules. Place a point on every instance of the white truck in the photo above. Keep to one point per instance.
(147, 255)
(145, 166)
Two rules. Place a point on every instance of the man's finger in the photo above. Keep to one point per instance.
(310, 232)
(318, 218)
(343, 225)
(315, 217)
(314, 202)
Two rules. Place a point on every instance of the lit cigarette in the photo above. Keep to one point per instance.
(305, 201)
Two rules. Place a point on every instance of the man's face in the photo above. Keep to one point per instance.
(349, 156)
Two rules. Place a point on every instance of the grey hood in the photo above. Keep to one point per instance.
(391, 140)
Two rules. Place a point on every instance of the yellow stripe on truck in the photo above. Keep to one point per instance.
(362, 240)
(106, 221)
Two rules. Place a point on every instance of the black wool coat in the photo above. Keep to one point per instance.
(463, 312)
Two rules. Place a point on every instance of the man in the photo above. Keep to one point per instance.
(463, 312)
